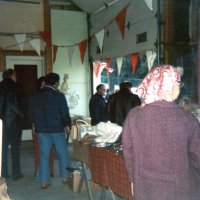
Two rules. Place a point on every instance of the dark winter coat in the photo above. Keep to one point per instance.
(119, 104)
(48, 111)
(10, 111)
(97, 107)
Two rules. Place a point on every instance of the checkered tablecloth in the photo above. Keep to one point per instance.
(97, 163)
(108, 170)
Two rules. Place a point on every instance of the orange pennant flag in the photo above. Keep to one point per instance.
(55, 49)
(82, 48)
(120, 19)
(46, 37)
(134, 58)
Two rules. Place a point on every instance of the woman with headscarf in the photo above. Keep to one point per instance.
(161, 141)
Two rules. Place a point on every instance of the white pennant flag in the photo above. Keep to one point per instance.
(119, 64)
(20, 38)
(70, 51)
(149, 4)
(151, 55)
(35, 43)
(100, 37)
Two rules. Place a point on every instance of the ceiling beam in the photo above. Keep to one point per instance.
(22, 1)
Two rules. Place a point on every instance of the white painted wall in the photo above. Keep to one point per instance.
(70, 28)
(141, 18)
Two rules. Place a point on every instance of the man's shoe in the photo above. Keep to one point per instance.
(17, 177)
(45, 185)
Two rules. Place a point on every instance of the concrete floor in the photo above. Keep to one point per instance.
(27, 189)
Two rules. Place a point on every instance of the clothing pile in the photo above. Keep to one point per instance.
(107, 132)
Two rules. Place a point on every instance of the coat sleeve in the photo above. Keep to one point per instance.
(65, 111)
(194, 147)
(94, 110)
(127, 144)
(31, 108)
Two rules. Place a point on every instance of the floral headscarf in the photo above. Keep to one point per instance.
(159, 81)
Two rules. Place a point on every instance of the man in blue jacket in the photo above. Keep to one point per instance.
(49, 114)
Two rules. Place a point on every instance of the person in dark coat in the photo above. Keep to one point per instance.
(11, 115)
(39, 86)
(161, 141)
(121, 102)
(97, 105)
(49, 114)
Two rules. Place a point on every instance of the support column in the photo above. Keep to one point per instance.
(47, 28)
(168, 29)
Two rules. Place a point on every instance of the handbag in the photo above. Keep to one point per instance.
(79, 129)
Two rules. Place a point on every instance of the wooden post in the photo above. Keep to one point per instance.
(47, 28)
(168, 29)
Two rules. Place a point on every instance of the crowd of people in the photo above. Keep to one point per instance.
(160, 138)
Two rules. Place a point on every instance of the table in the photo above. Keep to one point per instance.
(108, 170)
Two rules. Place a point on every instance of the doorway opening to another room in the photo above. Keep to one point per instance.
(28, 69)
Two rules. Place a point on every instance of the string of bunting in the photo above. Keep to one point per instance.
(21, 38)
(35, 41)
(100, 65)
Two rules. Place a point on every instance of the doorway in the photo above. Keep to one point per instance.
(26, 76)
(28, 69)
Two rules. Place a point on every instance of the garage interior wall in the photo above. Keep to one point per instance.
(140, 19)
(69, 28)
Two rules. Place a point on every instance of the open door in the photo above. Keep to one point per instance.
(28, 69)
(26, 76)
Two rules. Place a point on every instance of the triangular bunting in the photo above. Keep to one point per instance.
(120, 19)
(100, 37)
(55, 49)
(70, 51)
(151, 55)
(20, 38)
(46, 37)
(35, 43)
(82, 48)
(134, 58)
(149, 4)
(119, 64)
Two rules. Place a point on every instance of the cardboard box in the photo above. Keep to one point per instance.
(74, 181)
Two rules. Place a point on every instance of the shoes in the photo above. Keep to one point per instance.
(45, 185)
(17, 177)
(64, 180)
